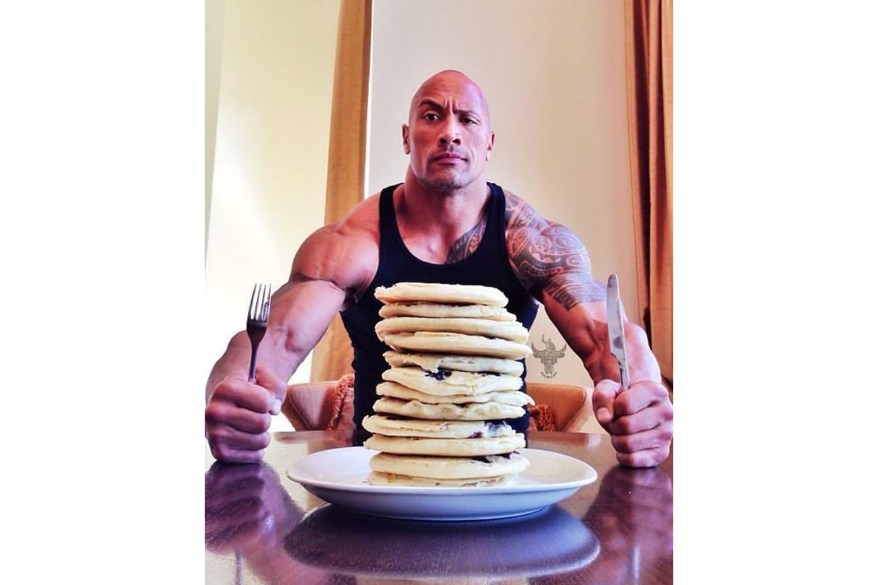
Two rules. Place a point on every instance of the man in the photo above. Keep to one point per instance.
(444, 223)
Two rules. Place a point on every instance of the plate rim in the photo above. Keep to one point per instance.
(590, 476)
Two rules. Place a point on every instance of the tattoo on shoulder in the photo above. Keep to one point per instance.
(548, 258)
(466, 244)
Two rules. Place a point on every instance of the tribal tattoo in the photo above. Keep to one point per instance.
(467, 244)
(548, 258)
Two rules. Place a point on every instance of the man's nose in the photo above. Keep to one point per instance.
(450, 133)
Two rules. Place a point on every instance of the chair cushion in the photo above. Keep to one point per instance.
(342, 415)
(559, 407)
(542, 418)
(321, 405)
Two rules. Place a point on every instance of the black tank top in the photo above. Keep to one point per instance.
(488, 266)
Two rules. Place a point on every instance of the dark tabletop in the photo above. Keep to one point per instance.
(262, 527)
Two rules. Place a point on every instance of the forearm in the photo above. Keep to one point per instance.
(601, 364)
(233, 359)
(588, 337)
(642, 364)
(273, 354)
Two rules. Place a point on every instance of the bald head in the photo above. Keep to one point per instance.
(448, 137)
(452, 81)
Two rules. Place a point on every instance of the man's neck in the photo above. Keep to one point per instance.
(432, 223)
(458, 208)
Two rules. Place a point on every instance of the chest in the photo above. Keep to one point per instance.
(443, 248)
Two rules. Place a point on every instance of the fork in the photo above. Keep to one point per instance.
(257, 321)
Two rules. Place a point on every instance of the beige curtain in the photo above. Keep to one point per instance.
(347, 158)
(649, 56)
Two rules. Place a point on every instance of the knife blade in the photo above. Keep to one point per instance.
(616, 331)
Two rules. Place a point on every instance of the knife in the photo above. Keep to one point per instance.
(617, 333)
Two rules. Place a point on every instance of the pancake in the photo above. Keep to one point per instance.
(511, 330)
(381, 478)
(407, 292)
(457, 343)
(511, 397)
(436, 310)
(453, 373)
(462, 363)
(447, 382)
(471, 411)
(409, 427)
(449, 467)
(469, 447)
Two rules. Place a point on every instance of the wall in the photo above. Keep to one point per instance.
(554, 75)
(273, 101)
(214, 26)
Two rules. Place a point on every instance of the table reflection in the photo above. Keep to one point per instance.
(621, 532)
(548, 541)
(247, 513)
(632, 517)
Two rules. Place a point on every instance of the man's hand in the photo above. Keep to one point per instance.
(639, 420)
(238, 415)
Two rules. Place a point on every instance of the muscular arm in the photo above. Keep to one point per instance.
(553, 265)
(330, 268)
(301, 310)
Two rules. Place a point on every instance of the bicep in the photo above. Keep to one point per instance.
(550, 261)
(323, 277)
(554, 266)
(301, 312)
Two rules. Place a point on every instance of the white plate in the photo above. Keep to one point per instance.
(338, 476)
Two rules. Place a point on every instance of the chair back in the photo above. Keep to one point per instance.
(569, 404)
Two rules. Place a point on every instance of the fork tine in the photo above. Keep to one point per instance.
(260, 303)
(266, 304)
(251, 311)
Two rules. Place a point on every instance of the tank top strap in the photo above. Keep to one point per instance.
(387, 221)
(495, 226)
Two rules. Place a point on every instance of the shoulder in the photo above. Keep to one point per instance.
(345, 252)
(360, 223)
(525, 227)
(521, 215)
(358, 226)
(548, 258)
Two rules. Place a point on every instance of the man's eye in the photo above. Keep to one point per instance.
(470, 121)
(431, 116)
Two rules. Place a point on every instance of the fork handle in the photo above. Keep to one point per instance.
(251, 377)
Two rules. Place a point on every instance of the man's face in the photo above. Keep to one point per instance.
(448, 137)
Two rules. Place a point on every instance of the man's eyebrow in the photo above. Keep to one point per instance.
(434, 105)
(430, 104)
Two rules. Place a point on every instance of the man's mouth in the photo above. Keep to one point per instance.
(448, 157)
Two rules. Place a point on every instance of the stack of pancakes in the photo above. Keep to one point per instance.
(453, 378)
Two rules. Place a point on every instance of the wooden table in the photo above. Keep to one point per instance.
(262, 527)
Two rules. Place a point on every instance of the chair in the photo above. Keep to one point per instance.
(559, 407)
(329, 405)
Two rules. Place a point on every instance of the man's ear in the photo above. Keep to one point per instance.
(405, 139)
(490, 145)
